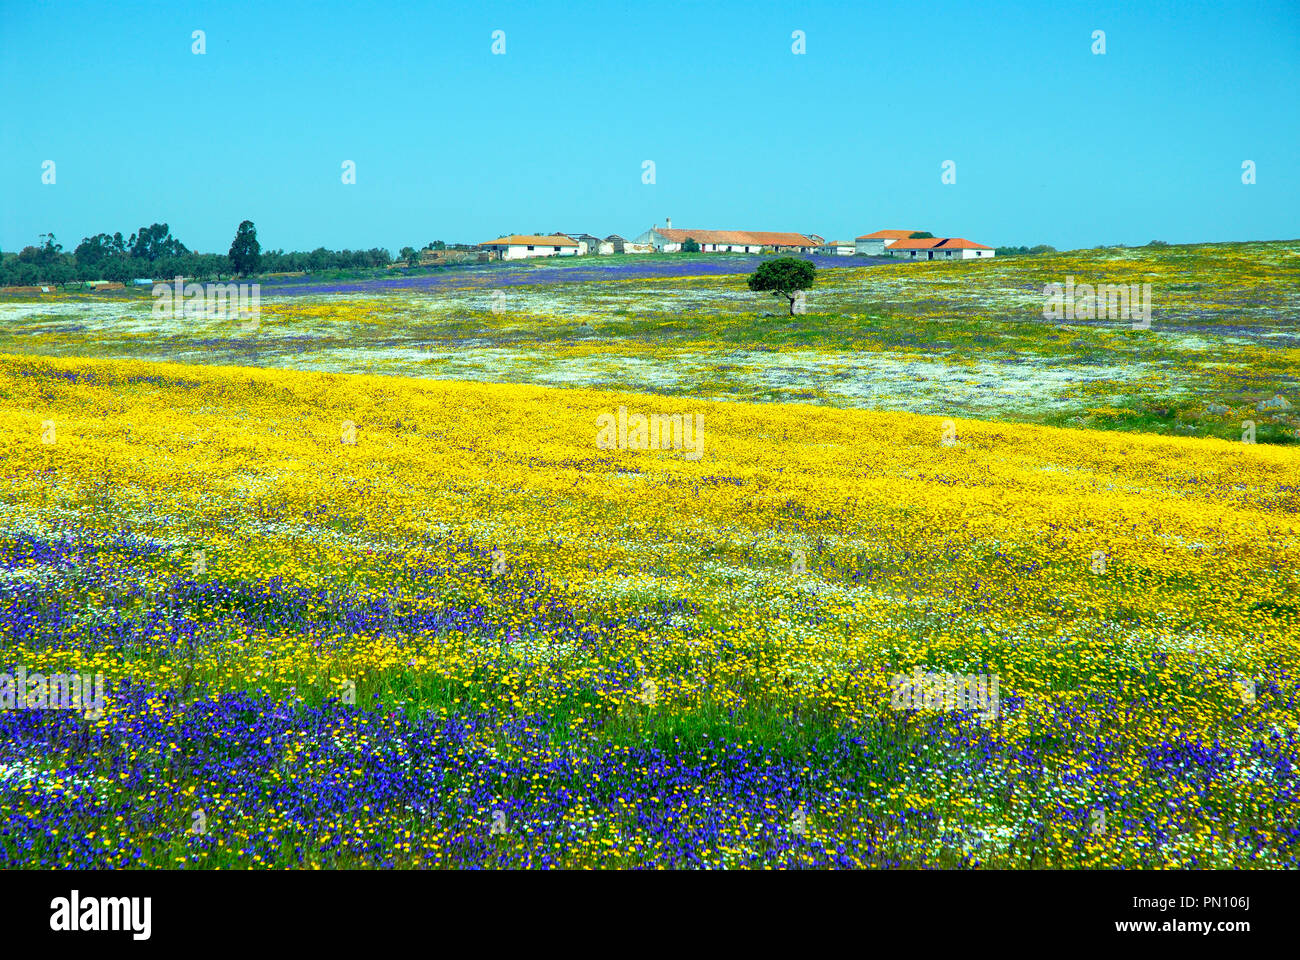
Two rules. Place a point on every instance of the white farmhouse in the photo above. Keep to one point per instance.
(669, 239)
(838, 248)
(939, 248)
(519, 247)
(875, 244)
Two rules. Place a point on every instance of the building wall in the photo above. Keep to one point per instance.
(653, 240)
(941, 254)
(518, 251)
(650, 240)
(729, 248)
(874, 248)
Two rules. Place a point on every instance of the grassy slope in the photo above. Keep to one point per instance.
(951, 339)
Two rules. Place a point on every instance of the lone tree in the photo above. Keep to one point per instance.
(690, 246)
(784, 277)
(245, 252)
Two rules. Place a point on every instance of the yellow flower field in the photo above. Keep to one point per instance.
(638, 658)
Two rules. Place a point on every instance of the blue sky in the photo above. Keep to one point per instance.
(1052, 143)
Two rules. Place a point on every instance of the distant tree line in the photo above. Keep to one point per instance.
(153, 253)
(321, 259)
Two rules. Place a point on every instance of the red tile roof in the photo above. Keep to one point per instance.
(916, 244)
(939, 243)
(889, 235)
(750, 238)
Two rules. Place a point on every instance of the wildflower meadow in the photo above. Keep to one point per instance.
(637, 571)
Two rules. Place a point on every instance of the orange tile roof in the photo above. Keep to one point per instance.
(946, 243)
(520, 240)
(751, 238)
(916, 244)
(889, 235)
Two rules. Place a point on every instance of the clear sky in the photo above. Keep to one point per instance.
(1052, 143)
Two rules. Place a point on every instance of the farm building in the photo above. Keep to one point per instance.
(636, 246)
(874, 244)
(838, 248)
(519, 247)
(585, 241)
(668, 239)
(939, 248)
(611, 244)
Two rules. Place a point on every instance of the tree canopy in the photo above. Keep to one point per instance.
(783, 277)
(154, 242)
(245, 251)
